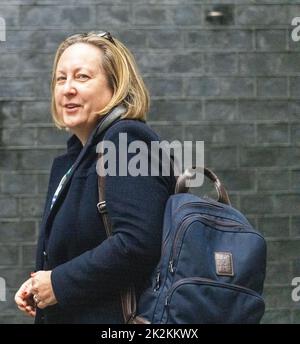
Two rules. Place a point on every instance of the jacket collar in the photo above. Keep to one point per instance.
(74, 145)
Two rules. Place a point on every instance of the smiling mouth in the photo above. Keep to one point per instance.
(72, 111)
(72, 106)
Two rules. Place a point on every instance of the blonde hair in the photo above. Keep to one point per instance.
(122, 74)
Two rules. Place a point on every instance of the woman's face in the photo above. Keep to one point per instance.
(81, 88)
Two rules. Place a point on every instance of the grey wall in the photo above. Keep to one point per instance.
(235, 86)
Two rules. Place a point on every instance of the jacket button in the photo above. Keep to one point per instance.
(45, 254)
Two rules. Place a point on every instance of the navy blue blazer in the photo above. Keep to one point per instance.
(89, 270)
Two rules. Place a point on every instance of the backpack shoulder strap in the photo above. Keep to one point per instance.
(128, 297)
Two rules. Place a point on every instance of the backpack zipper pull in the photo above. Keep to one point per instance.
(167, 301)
(157, 281)
(171, 267)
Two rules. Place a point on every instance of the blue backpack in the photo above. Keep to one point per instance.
(212, 265)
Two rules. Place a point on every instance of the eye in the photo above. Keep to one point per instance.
(82, 76)
(60, 78)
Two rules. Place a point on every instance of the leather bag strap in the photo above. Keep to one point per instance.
(128, 297)
(183, 181)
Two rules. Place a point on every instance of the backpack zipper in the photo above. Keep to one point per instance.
(157, 278)
(207, 281)
(207, 205)
(207, 221)
(203, 204)
(184, 224)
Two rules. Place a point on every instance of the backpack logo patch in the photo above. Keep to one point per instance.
(224, 266)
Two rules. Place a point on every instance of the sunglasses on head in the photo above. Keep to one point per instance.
(104, 34)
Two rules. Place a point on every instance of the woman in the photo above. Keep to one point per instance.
(79, 271)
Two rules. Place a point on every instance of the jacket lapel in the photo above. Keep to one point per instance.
(51, 211)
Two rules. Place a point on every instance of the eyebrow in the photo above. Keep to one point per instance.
(76, 70)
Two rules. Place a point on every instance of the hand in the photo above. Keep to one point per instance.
(24, 299)
(41, 288)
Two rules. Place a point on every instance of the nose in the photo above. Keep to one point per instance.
(69, 88)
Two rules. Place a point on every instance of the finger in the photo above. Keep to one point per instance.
(20, 302)
(32, 313)
(29, 308)
(34, 283)
(24, 311)
(22, 308)
(19, 294)
(27, 289)
(18, 299)
(24, 295)
(25, 286)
